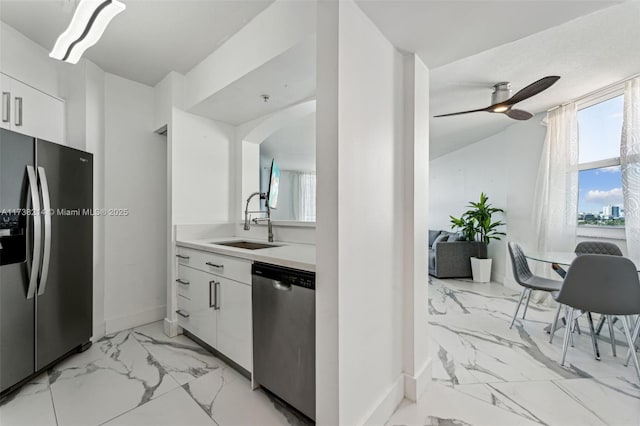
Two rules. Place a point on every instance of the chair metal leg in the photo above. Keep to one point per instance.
(526, 305)
(630, 341)
(612, 335)
(567, 322)
(594, 343)
(567, 333)
(554, 324)
(515, 314)
(600, 324)
(634, 338)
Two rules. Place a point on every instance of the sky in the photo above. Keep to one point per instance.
(600, 128)
(598, 188)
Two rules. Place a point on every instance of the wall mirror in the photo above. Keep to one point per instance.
(293, 147)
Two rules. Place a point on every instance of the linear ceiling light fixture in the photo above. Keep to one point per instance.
(87, 26)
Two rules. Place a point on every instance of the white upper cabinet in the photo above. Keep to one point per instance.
(31, 112)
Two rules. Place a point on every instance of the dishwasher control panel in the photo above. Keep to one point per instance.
(284, 275)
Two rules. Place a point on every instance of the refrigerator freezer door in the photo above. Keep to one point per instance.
(64, 301)
(17, 338)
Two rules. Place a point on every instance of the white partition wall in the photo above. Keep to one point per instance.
(372, 163)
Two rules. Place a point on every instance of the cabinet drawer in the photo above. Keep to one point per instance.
(224, 266)
(184, 312)
(184, 278)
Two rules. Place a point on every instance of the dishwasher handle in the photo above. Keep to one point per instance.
(279, 285)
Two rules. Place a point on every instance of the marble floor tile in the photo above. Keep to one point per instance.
(616, 401)
(517, 372)
(115, 375)
(181, 357)
(466, 297)
(444, 405)
(548, 403)
(227, 397)
(171, 409)
(485, 392)
(485, 346)
(446, 369)
(31, 405)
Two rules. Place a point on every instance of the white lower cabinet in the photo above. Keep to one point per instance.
(234, 321)
(216, 310)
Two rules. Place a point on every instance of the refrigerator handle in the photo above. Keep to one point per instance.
(37, 239)
(46, 206)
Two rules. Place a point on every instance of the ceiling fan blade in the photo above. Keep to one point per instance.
(462, 112)
(532, 89)
(518, 114)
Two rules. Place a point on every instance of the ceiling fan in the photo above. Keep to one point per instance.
(502, 101)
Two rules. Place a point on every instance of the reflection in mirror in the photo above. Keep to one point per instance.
(294, 149)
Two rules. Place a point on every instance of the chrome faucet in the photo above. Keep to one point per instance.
(247, 226)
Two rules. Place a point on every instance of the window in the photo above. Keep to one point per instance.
(600, 201)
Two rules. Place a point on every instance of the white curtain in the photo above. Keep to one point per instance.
(307, 197)
(556, 200)
(630, 164)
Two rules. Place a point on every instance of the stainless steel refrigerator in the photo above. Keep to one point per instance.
(46, 255)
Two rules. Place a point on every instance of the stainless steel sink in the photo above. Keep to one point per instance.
(248, 245)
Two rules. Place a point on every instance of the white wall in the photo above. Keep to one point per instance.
(135, 178)
(251, 175)
(361, 236)
(370, 341)
(200, 184)
(415, 220)
(505, 167)
(168, 93)
(27, 61)
(201, 168)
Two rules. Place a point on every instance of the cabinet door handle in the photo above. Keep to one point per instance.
(6, 107)
(182, 313)
(216, 288)
(183, 282)
(214, 265)
(212, 294)
(18, 111)
(182, 256)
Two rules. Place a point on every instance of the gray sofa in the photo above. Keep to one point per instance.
(449, 254)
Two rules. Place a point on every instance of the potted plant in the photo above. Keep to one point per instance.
(476, 225)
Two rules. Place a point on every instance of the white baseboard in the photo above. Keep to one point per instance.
(386, 405)
(114, 325)
(99, 331)
(171, 328)
(415, 386)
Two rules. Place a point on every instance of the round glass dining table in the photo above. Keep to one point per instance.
(565, 258)
(560, 257)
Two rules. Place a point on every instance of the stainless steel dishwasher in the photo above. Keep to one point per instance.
(284, 334)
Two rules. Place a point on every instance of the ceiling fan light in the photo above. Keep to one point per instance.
(87, 26)
(501, 108)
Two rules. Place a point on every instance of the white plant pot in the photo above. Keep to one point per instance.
(481, 269)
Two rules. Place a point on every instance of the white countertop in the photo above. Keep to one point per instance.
(290, 255)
